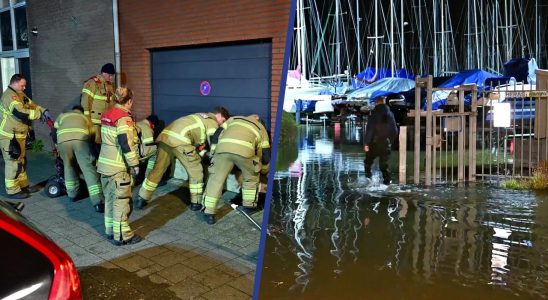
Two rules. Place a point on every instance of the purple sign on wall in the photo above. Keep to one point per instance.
(205, 88)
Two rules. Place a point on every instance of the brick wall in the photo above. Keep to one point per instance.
(147, 25)
(75, 38)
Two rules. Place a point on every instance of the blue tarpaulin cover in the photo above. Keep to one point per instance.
(464, 77)
(383, 87)
(368, 76)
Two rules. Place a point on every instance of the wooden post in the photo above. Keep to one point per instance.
(473, 132)
(417, 150)
(428, 167)
(403, 154)
(461, 143)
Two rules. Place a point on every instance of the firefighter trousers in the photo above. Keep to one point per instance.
(77, 153)
(220, 168)
(117, 189)
(191, 161)
(15, 170)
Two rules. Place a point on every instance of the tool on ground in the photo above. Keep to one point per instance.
(238, 209)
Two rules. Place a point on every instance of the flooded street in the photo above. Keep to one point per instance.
(336, 237)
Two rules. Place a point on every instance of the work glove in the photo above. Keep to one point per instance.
(45, 115)
(135, 172)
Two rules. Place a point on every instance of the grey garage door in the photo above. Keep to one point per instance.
(191, 80)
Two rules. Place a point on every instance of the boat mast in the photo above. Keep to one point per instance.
(421, 62)
(338, 37)
(436, 73)
(358, 34)
(303, 41)
(392, 58)
(402, 36)
(443, 58)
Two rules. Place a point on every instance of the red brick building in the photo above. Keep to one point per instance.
(170, 50)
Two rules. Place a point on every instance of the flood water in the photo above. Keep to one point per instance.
(334, 238)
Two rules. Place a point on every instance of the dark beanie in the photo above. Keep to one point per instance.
(108, 68)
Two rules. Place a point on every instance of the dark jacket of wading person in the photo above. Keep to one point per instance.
(71, 133)
(244, 144)
(380, 133)
(118, 164)
(16, 112)
(181, 139)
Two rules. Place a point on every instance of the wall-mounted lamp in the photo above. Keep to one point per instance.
(34, 31)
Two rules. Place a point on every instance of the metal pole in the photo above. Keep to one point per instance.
(243, 213)
(392, 58)
(358, 34)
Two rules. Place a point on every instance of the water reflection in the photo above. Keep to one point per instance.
(335, 238)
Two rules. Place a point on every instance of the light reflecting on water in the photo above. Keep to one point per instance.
(336, 236)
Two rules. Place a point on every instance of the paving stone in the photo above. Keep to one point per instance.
(134, 263)
(243, 284)
(169, 258)
(177, 273)
(149, 270)
(201, 263)
(213, 278)
(226, 292)
(189, 289)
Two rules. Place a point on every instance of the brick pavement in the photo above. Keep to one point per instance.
(180, 256)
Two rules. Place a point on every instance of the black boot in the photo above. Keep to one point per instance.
(31, 190)
(195, 207)
(209, 218)
(133, 240)
(140, 203)
(110, 237)
(99, 208)
(21, 195)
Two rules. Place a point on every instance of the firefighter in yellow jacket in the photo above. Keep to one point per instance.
(118, 164)
(244, 144)
(146, 146)
(97, 97)
(17, 110)
(180, 139)
(72, 135)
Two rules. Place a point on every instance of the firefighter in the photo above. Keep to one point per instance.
(17, 111)
(72, 135)
(118, 165)
(181, 139)
(147, 147)
(97, 97)
(244, 144)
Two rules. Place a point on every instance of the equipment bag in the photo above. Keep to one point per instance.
(14, 149)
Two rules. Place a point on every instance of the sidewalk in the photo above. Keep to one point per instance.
(180, 257)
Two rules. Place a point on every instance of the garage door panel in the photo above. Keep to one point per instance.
(248, 68)
(175, 107)
(219, 87)
(215, 53)
(239, 76)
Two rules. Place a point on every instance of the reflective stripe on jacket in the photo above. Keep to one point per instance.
(72, 126)
(117, 125)
(244, 136)
(14, 102)
(97, 97)
(195, 130)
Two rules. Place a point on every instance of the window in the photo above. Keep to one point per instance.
(5, 28)
(13, 25)
(21, 31)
